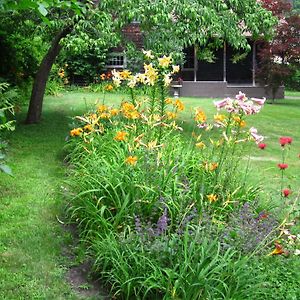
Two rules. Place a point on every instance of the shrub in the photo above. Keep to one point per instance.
(7, 99)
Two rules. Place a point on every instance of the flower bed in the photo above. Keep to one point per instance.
(164, 217)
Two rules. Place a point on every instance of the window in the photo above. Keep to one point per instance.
(116, 61)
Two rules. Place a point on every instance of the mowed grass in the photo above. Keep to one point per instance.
(32, 265)
(274, 121)
(292, 94)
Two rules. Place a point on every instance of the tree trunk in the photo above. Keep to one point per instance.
(40, 81)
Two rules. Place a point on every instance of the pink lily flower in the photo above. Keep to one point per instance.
(241, 96)
(222, 103)
(259, 101)
(258, 138)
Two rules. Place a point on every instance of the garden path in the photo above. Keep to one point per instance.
(32, 264)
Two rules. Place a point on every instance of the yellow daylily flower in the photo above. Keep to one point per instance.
(88, 127)
(164, 61)
(200, 145)
(170, 115)
(175, 69)
(200, 116)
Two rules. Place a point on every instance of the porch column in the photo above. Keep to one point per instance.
(253, 62)
(224, 63)
(195, 63)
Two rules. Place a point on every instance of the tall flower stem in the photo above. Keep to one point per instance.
(282, 171)
(152, 100)
(224, 145)
(132, 96)
(162, 108)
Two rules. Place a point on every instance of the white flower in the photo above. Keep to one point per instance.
(167, 79)
(148, 54)
(297, 252)
(116, 78)
(132, 82)
(175, 69)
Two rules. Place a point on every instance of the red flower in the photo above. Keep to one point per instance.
(286, 192)
(285, 140)
(282, 166)
(262, 146)
(262, 215)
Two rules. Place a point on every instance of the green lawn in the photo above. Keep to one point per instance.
(292, 93)
(32, 265)
(274, 121)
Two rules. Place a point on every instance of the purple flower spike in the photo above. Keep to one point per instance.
(138, 224)
(162, 223)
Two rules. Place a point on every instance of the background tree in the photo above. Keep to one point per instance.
(280, 58)
(176, 24)
(296, 6)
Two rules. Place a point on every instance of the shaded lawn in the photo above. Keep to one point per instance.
(32, 265)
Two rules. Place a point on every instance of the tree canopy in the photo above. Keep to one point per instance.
(167, 26)
(280, 56)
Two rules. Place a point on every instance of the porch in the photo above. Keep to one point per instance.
(228, 73)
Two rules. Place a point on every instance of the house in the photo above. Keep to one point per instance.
(222, 77)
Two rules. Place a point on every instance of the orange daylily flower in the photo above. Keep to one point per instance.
(179, 105)
(168, 101)
(212, 198)
(109, 87)
(76, 132)
(278, 250)
(170, 115)
(239, 121)
(88, 127)
(104, 116)
(219, 118)
(114, 111)
(131, 160)
(120, 136)
(126, 106)
(213, 166)
(102, 76)
(101, 108)
(93, 117)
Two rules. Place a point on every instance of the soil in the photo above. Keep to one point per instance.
(79, 275)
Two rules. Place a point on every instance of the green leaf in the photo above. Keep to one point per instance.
(6, 169)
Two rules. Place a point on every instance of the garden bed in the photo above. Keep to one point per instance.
(166, 216)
